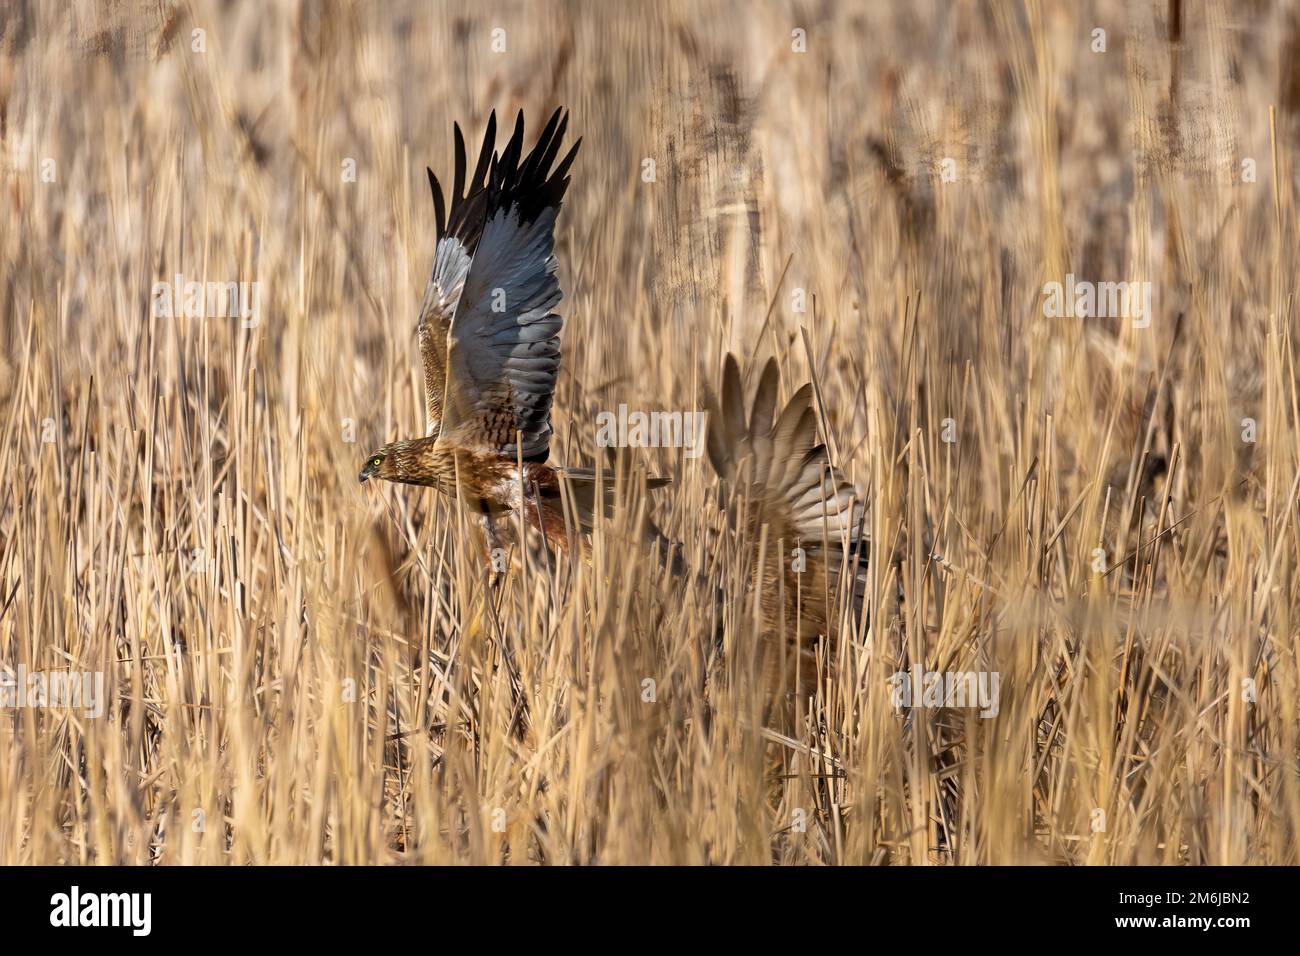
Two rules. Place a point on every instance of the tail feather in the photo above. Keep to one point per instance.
(607, 478)
(591, 493)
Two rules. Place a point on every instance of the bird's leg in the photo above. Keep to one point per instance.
(496, 553)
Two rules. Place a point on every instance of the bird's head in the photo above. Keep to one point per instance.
(378, 464)
(408, 460)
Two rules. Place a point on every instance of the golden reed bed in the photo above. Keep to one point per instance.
(1037, 261)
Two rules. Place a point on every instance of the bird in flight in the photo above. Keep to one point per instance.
(783, 491)
(490, 342)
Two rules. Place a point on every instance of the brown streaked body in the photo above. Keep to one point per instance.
(488, 484)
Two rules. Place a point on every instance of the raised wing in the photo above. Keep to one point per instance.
(458, 237)
(503, 345)
(779, 465)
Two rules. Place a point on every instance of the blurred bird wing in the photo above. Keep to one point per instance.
(817, 503)
(503, 344)
(780, 464)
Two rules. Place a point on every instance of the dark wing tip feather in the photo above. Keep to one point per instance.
(548, 144)
(562, 170)
(465, 217)
(439, 209)
(458, 183)
(485, 152)
(528, 183)
(504, 179)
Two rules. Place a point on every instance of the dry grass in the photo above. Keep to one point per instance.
(181, 511)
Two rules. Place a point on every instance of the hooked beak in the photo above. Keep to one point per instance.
(367, 471)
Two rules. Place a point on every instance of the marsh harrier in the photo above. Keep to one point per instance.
(490, 340)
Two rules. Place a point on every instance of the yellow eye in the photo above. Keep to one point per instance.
(376, 461)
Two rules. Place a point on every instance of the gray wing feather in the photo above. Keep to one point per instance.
(504, 342)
